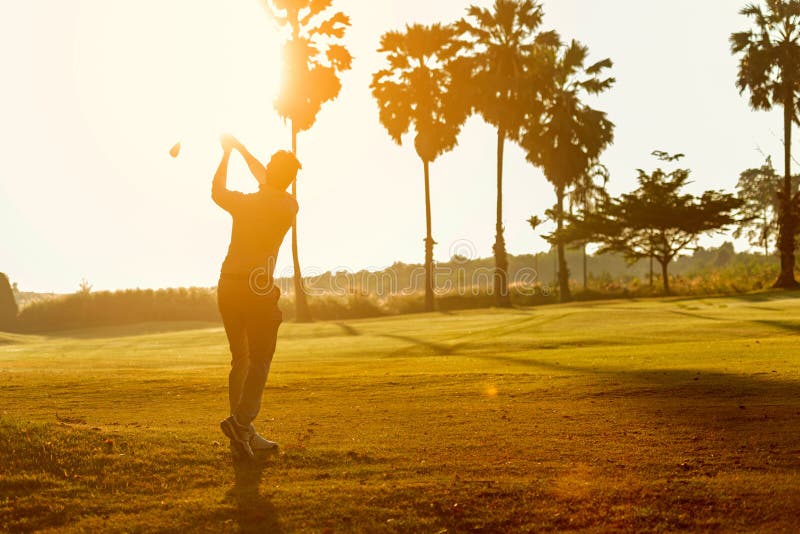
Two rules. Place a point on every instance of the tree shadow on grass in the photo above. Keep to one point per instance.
(698, 315)
(761, 296)
(768, 296)
(437, 348)
(677, 384)
(254, 510)
(348, 330)
(788, 326)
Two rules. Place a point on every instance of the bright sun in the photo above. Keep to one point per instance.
(193, 71)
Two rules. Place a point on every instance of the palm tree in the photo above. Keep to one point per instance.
(568, 136)
(313, 59)
(505, 54)
(769, 67)
(588, 192)
(417, 88)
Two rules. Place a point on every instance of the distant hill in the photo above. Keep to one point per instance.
(540, 270)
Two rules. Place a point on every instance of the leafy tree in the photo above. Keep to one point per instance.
(769, 67)
(417, 90)
(657, 220)
(8, 305)
(506, 52)
(568, 136)
(313, 60)
(758, 190)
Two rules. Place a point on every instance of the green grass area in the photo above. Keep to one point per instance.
(628, 415)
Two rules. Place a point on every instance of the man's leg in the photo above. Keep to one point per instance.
(232, 308)
(232, 303)
(262, 335)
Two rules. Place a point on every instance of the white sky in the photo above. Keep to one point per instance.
(95, 92)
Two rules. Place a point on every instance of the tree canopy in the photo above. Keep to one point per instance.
(313, 58)
(508, 59)
(419, 88)
(769, 66)
(657, 220)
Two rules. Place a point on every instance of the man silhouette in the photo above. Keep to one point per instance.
(246, 295)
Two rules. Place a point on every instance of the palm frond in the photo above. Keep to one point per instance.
(754, 11)
(596, 86)
(392, 41)
(332, 27)
(574, 57)
(483, 17)
(740, 41)
(548, 39)
(530, 15)
(340, 57)
(315, 7)
(600, 66)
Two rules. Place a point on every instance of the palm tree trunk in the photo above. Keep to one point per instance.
(563, 271)
(429, 298)
(651, 271)
(787, 217)
(301, 311)
(501, 297)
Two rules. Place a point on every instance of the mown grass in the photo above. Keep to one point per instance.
(628, 415)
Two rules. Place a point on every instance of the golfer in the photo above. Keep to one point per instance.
(247, 296)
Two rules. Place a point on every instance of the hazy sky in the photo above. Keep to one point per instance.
(95, 92)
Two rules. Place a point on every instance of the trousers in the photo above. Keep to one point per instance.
(251, 321)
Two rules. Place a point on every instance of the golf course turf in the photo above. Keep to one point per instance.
(652, 415)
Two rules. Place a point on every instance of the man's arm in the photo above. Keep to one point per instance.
(224, 198)
(258, 170)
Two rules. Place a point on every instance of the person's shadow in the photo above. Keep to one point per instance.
(255, 512)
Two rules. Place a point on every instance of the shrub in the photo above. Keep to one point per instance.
(8, 306)
(105, 308)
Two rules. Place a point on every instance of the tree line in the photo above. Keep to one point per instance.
(460, 283)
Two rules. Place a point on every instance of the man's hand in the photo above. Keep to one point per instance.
(228, 142)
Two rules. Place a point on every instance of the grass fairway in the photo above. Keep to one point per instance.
(629, 415)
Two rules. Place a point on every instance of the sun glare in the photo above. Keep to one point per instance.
(193, 72)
